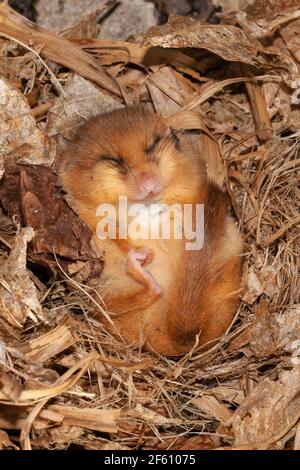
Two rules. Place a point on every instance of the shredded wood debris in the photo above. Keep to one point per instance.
(233, 89)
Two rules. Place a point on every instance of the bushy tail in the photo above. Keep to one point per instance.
(206, 299)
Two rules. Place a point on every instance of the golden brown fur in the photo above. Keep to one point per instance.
(199, 288)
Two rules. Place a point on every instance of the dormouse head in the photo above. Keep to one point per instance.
(130, 152)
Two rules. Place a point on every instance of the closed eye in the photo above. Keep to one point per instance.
(109, 158)
(149, 150)
(118, 162)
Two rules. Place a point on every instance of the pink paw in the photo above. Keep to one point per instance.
(143, 254)
(136, 259)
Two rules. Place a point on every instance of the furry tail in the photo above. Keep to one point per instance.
(206, 300)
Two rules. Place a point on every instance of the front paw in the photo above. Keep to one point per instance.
(136, 259)
(143, 254)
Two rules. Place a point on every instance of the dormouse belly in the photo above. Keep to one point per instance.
(115, 279)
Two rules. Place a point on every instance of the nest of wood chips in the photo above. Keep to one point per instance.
(64, 381)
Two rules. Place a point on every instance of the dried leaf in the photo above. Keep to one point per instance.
(112, 51)
(11, 417)
(227, 41)
(168, 90)
(10, 386)
(19, 135)
(289, 332)
(259, 281)
(212, 407)
(5, 442)
(269, 412)
(264, 331)
(263, 17)
(18, 294)
(275, 333)
(291, 36)
(44, 208)
(33, 195)
(229, 392)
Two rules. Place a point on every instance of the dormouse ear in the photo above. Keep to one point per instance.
(163, 128)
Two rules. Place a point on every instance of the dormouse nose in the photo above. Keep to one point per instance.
(147, 184)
